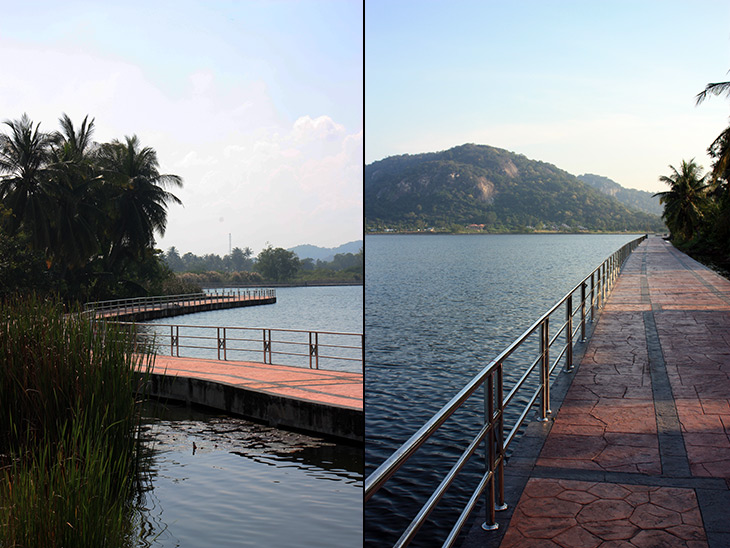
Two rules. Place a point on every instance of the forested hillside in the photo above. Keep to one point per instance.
(630, 197)
(478, 187)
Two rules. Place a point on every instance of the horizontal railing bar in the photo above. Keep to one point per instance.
(513, 392)
(426, 509)
(375, 480)
(521, 419)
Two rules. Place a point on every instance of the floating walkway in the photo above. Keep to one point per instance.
(638, 453)
(329, 403)
(152, 308)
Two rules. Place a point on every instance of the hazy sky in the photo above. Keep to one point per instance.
(603, 87)
(257, 104)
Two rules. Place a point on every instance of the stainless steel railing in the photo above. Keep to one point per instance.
(141, 304)
(321, 349)
(588, 296)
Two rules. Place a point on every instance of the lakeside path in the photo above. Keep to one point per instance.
(639, 452)
(315, 400)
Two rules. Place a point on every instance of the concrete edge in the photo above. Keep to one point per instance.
(342, 423)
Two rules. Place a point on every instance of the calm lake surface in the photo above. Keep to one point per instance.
(246, 484)
(438, 309)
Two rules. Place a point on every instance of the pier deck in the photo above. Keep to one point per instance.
(638, 453)
(152, 308)
(314, 400)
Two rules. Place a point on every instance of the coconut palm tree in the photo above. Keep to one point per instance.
(78, 212)
(26, 186)
(136, 197)
(687, 202)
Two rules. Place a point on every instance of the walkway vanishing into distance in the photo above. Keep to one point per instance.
(639, 452)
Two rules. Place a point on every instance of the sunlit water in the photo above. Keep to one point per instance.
(438, 309)
(245, 484)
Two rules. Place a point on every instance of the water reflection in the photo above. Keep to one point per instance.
(214, 480)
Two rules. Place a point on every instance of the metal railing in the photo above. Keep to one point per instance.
(271, 346)
(120, 307)
(587, 296)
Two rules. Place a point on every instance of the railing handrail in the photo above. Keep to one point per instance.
(225, 341)
(189, 326)
(606, 273)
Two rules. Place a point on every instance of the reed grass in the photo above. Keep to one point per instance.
(69, 427)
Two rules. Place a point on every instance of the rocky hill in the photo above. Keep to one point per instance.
(478, 187)
(631, 198)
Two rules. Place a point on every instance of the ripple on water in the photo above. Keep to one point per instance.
(221, 481)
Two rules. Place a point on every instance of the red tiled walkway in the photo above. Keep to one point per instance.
(639, 451)
(336, 388)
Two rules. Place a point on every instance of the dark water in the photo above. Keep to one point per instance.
(438, 309)
(245, 484)
(248, 484)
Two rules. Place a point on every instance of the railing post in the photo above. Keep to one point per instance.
(593, 296)
(569, 333)
(175, 340)
(267, 345)
(490, 523)
(221, 342)
(544, 369)
(314, 350)
(499, 437)
(583, 312)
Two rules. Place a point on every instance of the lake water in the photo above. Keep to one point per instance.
(246, 484)
(336, 309)
(438, 309)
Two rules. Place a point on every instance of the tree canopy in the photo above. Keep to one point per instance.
(90, 210)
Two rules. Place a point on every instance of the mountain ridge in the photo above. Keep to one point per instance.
(630, 197)
(489, 189)
(308, 251)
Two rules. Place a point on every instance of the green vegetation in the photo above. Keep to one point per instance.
(79, 217)
(640, 200)
(492, 190)
(697, 205)
(272, 264)
(69, 428)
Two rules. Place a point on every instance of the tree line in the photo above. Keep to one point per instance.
(697, 204)
(240, 267)
(79, 217)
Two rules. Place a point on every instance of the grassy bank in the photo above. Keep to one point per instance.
(68, 428)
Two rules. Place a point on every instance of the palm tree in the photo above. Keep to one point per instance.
(26, 187)
(687, 202)
(78, 214)
(137, 199)
(719, 150)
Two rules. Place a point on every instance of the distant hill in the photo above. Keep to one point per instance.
(632, 198)
(490, 189)
(325, 253)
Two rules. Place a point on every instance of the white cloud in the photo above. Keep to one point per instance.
(242, 161)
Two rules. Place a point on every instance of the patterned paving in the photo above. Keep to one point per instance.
(639, 451)
(330, 387)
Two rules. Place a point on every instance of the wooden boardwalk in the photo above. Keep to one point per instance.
(638, 454)
(315, 400)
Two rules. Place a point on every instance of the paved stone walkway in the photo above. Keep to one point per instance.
(336, 388)
(638, 454)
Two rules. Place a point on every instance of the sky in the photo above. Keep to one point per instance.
(592, 87)
(257, 105)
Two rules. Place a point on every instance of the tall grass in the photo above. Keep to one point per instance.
(69, 428)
